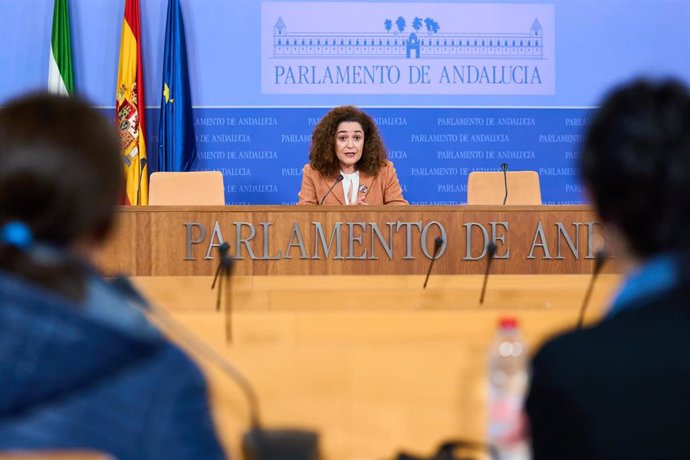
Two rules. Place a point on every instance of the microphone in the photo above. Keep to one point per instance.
(438, 242)
(168, 324)
(504, 168)
(490, 253)
(338, 180)
(142, 165)
(224, 263)
(599, 259)
(224, 273)
(258, 443)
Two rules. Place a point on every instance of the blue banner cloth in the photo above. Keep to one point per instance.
(176, 145)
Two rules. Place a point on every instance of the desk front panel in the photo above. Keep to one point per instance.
(375, 240)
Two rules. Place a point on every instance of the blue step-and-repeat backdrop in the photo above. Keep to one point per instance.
(454, 87)
(261, 151)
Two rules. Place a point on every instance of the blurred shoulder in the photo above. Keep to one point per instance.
(587, 350)
(559, 349)
(174, 361)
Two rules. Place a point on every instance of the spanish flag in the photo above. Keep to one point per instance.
(129, 108)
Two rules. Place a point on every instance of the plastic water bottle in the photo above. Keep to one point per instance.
(508, 377)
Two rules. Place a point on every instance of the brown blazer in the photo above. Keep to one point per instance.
(382, 188)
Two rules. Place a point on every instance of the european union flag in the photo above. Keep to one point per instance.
(176, 149)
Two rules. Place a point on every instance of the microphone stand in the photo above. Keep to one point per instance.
(224, 272)
(491, 252)
(599, 259)
(338, 180)
(258, 443)
(142, 165)
(504, 168)
(167, 323)
(438, 242)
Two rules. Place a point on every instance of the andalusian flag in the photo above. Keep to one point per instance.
(60, 72)
(129, 108)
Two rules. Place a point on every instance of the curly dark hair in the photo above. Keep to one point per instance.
(322, 151)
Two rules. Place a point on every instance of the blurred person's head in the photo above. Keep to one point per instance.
(635, 164)
(60, 176)
(346, 139)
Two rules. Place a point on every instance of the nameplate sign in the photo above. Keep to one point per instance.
(282, 240)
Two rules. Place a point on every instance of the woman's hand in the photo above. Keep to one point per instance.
(362, 202)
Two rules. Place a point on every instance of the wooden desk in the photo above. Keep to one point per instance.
(375, 364)
(336, 240)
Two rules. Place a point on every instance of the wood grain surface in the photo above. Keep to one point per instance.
(375, 364)
(340, 240)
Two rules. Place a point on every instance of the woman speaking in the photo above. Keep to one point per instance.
(348, 164)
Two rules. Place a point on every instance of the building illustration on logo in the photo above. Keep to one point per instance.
(430, 44)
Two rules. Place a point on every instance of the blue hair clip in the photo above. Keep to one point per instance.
(16, 234)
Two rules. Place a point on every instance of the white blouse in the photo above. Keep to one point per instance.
(350, 184)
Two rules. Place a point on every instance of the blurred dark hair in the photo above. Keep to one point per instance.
(322, 152)
(61, 175)
(635, 163)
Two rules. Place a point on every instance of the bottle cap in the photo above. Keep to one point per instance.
(508, 322)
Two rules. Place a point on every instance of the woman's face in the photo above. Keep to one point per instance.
(349, 145)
